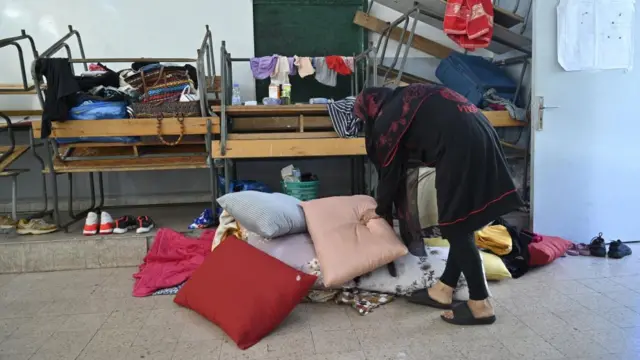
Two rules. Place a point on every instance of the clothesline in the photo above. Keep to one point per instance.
(279, 68)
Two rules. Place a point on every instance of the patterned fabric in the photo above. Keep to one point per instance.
(413, 273)
(363, 301)
(342, 118)
(169, 291)
(321, 296)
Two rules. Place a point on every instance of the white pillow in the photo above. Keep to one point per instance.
(414, 273)
(268, 215)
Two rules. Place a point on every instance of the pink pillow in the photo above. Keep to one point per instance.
(345, 248)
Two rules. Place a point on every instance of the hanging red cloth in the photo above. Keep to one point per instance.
(469, 23)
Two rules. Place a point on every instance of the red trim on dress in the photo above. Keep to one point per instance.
(479, 210)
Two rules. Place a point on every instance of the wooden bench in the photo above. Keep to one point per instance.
(87, 157)
(309, 132)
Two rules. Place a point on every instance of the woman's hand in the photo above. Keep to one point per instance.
(368, 215)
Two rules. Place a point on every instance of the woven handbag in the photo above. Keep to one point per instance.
(178, 110)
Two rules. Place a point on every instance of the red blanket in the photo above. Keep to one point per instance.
(172, 259)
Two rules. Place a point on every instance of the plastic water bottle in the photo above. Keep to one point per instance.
(236, 99)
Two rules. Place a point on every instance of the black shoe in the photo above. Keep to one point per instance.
(597, 247)
(618, 250)
(145, 224)
(124, 224)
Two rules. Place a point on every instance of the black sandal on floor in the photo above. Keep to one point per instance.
(421, 297)
(463, 316)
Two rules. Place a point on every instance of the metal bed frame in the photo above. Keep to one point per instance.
(11, 128)
(363, 63)
(205, 65)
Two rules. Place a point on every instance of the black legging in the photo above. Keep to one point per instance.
(464, 258)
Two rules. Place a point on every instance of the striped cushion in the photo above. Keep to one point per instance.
(268, 215)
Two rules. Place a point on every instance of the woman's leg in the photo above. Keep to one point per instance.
(467, 259)
(464, 257)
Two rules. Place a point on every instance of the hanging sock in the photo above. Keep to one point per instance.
(263, 67)
(469, 23)
(305, 68)
(337, 64)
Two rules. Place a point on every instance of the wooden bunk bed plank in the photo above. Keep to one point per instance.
(283, 123)
(406, 77)
(127, 127)
(287, 135)
(262, 110)
(124, 165)
(419, 42)
(247, 149)
(503, 119)
(280, 123)
(22, 112)
(17, 152)
(149, 159)
(145, 142)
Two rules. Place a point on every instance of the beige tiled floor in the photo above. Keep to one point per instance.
(577, 308)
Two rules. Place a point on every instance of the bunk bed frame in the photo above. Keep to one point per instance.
(11, 153)
(284, 131)
(251, 132)
(97, 158)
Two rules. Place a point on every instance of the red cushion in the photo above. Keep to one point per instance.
(244, 291)
(547, 249)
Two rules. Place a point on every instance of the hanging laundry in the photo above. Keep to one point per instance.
(342, 118)
(350, 62)
(293, 70)
(338, 64)
(469, 23)
(281, 72)
(324, 75)
(263, 67)
(304, 66)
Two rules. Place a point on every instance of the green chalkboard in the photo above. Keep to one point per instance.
(307, 28)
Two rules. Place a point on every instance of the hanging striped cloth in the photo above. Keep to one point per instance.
(342, 118)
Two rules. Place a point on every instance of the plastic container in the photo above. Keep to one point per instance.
(286, 94)
(303, 190)
(236, 98)
(472, 76)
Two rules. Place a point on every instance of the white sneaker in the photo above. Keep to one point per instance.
(106, 223)
(91, 224)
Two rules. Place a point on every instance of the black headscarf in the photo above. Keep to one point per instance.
(387, 115)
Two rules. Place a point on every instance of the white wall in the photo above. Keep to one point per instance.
(124, 28)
